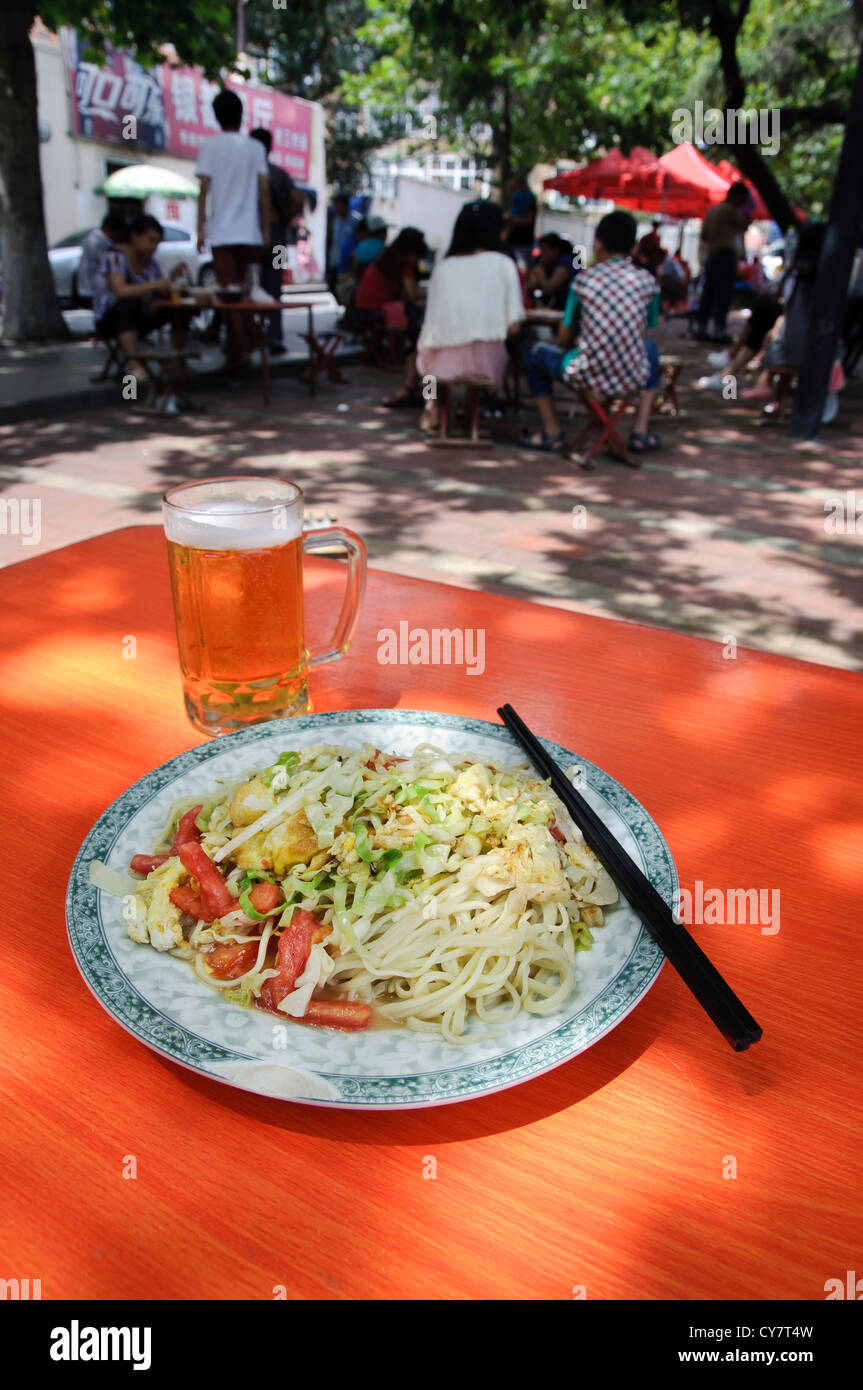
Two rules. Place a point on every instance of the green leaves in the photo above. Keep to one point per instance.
(202, 35)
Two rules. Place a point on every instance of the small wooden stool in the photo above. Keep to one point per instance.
(603, 413)
(322, 350)
(444, 402)
(156, 358)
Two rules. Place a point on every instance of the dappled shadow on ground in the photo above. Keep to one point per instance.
(726, 528)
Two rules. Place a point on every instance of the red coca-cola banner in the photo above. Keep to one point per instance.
(171, 109)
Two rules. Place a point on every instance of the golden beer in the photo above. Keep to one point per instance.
(239, 620)
(235, 554)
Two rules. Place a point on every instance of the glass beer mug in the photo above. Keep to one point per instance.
(235, 551)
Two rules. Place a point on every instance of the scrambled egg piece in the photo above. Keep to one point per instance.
(241, 814)
(252, 854)
(292, 842)
(472, 787)
(159, 922)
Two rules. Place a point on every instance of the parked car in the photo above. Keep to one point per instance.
(177, 245)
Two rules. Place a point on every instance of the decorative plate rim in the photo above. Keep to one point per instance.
(123, 1001)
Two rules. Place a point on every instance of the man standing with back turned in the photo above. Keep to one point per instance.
(232, 172)
(281, 211)
(721, 233)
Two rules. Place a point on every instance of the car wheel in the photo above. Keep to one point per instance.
(207, 276)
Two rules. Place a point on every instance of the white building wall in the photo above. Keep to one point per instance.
(429, 206)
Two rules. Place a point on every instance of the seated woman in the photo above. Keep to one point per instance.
(474, 305)
(551, 276)
(389, 289)
(127, 281)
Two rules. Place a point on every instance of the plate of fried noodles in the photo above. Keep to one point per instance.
(364, 909)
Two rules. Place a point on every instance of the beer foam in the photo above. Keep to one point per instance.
(233, 525)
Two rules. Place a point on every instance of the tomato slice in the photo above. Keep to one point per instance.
(337, 1013)
(146, 863)
(187, 900)
(265, 896)
(215, 892)
(187, 829)
(295, 943)
(227, 962)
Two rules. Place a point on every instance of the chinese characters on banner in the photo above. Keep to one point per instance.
(170, 109)
(188, 97)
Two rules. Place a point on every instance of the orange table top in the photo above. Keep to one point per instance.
(658, 1164)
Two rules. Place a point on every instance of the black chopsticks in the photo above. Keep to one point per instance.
(714, 995)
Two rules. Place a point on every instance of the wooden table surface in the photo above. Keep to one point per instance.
(658, 1164)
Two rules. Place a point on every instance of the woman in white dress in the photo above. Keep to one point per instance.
(474, 304)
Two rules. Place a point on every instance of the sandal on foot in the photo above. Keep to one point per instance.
(541, 442)
(643, 443)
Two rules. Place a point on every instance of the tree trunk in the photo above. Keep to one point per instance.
(725, 25)
(30, 309)
(501, 137)
(834, 271)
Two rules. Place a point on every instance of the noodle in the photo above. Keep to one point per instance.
(450, 887)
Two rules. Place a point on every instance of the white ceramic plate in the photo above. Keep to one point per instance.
(159, 999)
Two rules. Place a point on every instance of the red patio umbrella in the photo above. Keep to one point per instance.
(639, 181)
(603, 177)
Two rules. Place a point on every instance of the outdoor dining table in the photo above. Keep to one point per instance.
(259, 309)
(656, 1164)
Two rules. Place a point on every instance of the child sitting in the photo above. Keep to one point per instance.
(610, 307)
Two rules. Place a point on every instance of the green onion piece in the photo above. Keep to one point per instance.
(250, 911)
(362, 843)
(287, 759)
(404, 875)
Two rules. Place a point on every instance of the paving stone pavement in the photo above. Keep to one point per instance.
(730, 532)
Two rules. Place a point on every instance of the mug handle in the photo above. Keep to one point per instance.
(354, 589)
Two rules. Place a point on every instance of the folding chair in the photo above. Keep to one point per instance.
(114, 360)
(322, 351)
(603, 413)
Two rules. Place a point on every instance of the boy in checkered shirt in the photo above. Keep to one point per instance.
(610, 307)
